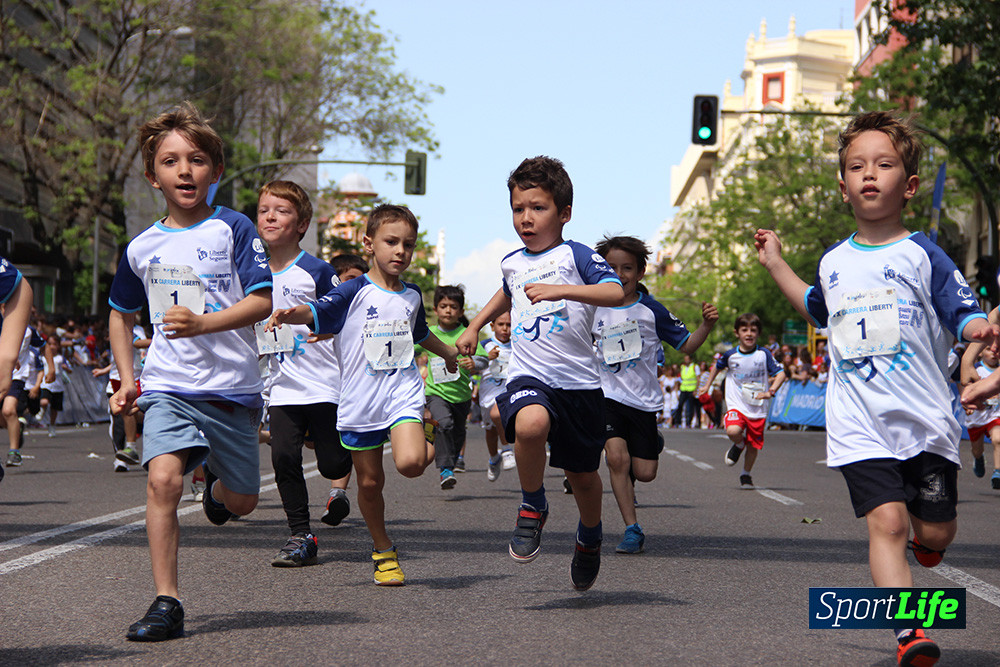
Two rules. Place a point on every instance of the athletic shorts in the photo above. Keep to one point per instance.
(636, 427)
(359, 441)
(222, 432)
(977, 432)
(753, 429)
(16, 390)
(926, 483)
(576, 430)
(55, 399)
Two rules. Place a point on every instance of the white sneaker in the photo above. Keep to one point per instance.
(508, 459)
(494, 467)
(120, 467)
(197, 490)
(52, 431)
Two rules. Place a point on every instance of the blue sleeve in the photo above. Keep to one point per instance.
(10, 278)
(669, 329)
(323, 275)
(723, 362)
(330, 310)
(248, 253)
(951, 297)
(773, 367)
(128, 294)
(419, 327)
(593, 268)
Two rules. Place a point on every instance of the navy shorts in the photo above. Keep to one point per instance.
(576, 431)
(16, 390)
(636, 427)
(926, 483)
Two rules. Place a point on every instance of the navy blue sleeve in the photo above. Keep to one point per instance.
(128, 294)
(669, 329)
(773, 367)
(593, 268)
(723, 362)
(330, 311)
(36, 339)
(420, 330)
(248, 252)
(10, 278)
(323, 275)
(951, 297)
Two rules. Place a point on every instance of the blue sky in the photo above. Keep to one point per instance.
(605, 87)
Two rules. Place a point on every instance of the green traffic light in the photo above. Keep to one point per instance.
(704, 132)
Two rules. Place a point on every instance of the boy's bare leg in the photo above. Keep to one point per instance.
(977, 448)
(532, 430)
(588, 492)
(410, 450)
(491, 442)
(619, 461)
(240, 504)
(164, 487)
(371, 480)
(888, 532)
(935, 535)
(736, 434)
(749, 457)
(10, 418)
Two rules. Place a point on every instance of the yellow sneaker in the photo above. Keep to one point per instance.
(387, 570)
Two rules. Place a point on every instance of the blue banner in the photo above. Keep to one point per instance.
(799, 404)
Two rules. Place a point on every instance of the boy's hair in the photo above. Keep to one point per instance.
(291, 192)
(546, 173)
(901, 133)
(630, 244)
(187, 121)
(343, 263)
(390, 213)
(454, 292)
(747, 320)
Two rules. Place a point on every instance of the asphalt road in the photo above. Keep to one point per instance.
(723, 581)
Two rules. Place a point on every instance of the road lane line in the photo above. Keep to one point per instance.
(977, 587)
(774, 495)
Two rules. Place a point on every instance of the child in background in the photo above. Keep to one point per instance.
(752, 379)
(985, 421)
(378, 318)
(449, 395)
(492, 384)
(553, 385)
(628, 340)
(54, 390)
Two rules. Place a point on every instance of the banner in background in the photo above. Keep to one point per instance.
(799, 404)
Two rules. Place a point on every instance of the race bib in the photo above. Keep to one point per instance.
(866, 324)
(440, 372)
(388, 344)
(546, 272)
(173, 285)
(750, 391)
(276, 340)
(498, 366)
(621, 342)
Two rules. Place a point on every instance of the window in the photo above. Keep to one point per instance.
(774, 88)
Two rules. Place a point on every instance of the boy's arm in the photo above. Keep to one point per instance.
(704, 389)
(709, 316)
(15, 321)
(120, 335)
(980, 334)
(436, 346)
(974, 396)
(180, 322)
(769, 255)
(469, 340)
(608, 294)
(776, 383)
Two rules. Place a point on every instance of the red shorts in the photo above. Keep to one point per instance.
(977, 432)
(753, 429)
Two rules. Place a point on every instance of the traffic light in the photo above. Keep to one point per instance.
(415, 181)
(986, 276)
(705, 120)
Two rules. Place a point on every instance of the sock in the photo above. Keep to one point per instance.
(384, 551)
(496, 459)
(746, 472)
(902, 633)
(129, 444)
(211, 496)
(535, 498)
(589, 536)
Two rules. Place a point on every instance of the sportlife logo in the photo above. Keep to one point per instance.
(886, 608)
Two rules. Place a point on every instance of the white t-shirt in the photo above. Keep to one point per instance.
(988, 413)
(310, 372)
(57, 385)
(228, 259)
(633, 381)
(748, 374)
(493, 380)
(894, 404)
(373, 399)
(555, 347)
(30, 341)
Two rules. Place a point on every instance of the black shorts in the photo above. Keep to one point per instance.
(16, 390)
(926, 483)
(636, 427)
(55, 399)
(576, 434)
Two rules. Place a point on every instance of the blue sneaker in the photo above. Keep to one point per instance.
(526, 541)
(979, 466)
(632, 541)
(995, 479)
(299, 550)
(448, 480)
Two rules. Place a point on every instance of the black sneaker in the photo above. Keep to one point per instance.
(338, 506)
(733, 455)
(527, 539)
(459, 464)
(164, 620)
(298, 551)
(746, 482)
(585, 566)
(214, 510)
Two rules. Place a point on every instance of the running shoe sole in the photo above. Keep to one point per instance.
(337, 509)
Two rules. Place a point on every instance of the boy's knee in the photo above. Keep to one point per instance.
(241, 504)
(165, 487)
(370, 484)
(411, 466)
(888, 521)
(735, 433)
(617, 459)
(532, 423)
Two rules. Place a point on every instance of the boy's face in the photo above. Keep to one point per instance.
(875, 182)
(536, 219)
(392, 247)
(350, 274)
(278, 222)
(747, 336)
(448, 311)
(623, 263)
(182, 171)
(501, 328)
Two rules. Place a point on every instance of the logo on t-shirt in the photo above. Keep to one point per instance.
(213, 255)
(258, 246)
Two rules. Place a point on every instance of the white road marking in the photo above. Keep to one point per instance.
(976, 586)
(774, 495)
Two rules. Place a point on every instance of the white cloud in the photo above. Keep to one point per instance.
(479, 271)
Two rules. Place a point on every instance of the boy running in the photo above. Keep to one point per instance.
(493, 382)
(553, 385)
